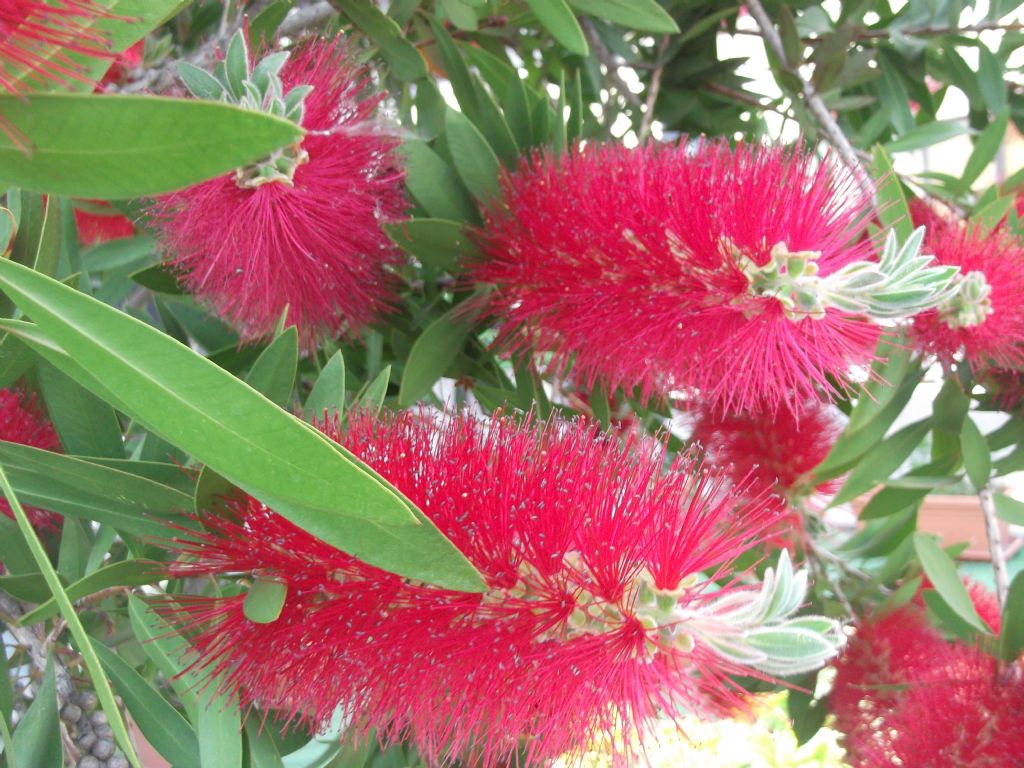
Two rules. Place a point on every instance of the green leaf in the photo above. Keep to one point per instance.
(30, 587)
(87, 426)
(556, 17)
(262, 750)
(977, 459)
(1011, 635)
(264, 600)
(474, 159)
(79, 488)
(218, 728)
(129, 21)
(401, 55)
(161, 724)
(167, 650)
(435, 242)
(328, 394)
(67, 611)
(115, 254)
(1009, 509)
(887, 374)
(991, 80)
(188, 400)
(37, 742)
(115, 147)
(791, 44)
(892, 203)
(941, 571)
(372, 397)
(641, 15)
(265, 23)
(434, 185)
(460, 14)
(988, 216)
(158, 279)
(926, 135)
(878, 465)
(273, 373)
(432, 353)
(127, 573)
(985, 149)
(950, 407)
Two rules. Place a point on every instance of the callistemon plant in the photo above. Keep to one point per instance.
(36, 37)
(610, 597)
(737, 273)
(906, 695)
(773, 451)
(299, 230)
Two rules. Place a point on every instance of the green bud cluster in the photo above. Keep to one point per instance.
(259, 89)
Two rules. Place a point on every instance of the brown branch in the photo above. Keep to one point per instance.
(743, 97)
(652, 90)
(884, 34)
(607, 58)
(830, 128)
(995, 544)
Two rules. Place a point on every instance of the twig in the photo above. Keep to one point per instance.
(833, 133)
(995, 544)
(304, 18)
(608, 60)
(36, 646)
(885, 34)
(652, 90)
(744, 97)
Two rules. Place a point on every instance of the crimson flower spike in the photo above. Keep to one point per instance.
(302, 229)
(611, 595)
(36, 37)
(740, 275)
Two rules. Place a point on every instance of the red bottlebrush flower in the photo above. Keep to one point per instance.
(35, 37)
(1004, 385)
(23, 421)
(774, 452)
(966, 713)
(635, 266)
(95, 228)
(250, 246)
(595, 558)
(904, 695)
(985, 321)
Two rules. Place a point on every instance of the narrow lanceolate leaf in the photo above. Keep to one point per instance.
(1011, 635)
(641, 15)
(435, 242)
(435, 349)
(892, 203)
(37, 742)
(79, 488)
(225, 424)
(328, 394)
(557, 18)
(124, 573)
(161, 724)
(474, 159)
(941, 571)
(401, 55)
(273, 373)
(78, 633)
(116, 147)
(217, 719)
(977, 459)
